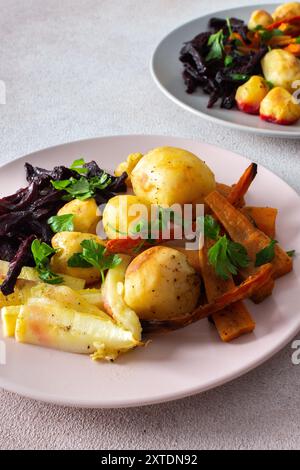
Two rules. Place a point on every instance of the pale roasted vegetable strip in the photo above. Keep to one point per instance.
(234, 320)
(31, 274)
(113, 298)
(48, 323)
(9, 317)
(235, 294)
(19, 296)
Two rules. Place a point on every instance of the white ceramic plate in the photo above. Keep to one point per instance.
(180, 363)
(167, 73)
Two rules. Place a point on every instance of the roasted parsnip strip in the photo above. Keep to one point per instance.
(235, 294)
(234, 320)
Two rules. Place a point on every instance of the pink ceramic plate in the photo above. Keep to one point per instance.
(180, 363)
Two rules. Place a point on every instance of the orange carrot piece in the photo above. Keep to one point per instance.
(242, 231)
(239, 190)
(264, 218)
(234, 320)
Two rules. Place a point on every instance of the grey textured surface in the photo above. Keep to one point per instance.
(78, 69)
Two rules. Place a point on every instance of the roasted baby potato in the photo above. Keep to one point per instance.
(169, 175)
(260, 18)
(280, 107)
(160, 284)
(130, 163)
(250, 95)
(85, 214)
(286, 11)
(122, 213)
(281, 68)
(67, 244)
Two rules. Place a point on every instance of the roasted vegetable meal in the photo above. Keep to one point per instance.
(92, 263)
(254, 67)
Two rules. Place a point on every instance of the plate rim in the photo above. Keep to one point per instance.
(217, 120)
(164, 397)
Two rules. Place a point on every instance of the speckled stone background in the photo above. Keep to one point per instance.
(78, 69)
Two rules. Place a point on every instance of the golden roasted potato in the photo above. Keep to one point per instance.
(260, 18)
(286, 11)
(67, 244)
(169, 175)
(160, 284)
(85, 214)
(129, 164)
(280, 107)
(281, 68)
(249, 96)
(122, 213)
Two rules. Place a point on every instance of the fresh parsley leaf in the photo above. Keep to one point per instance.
(291, 253)
(77, 261)
(228, 60)
(100, 182)
(227, 256)
(60, 185)
(239, 77)
(94, 254)
(297, 40)
(82, 188)
(277, 32)
(41, 253)
(238, 254)
(216, 43)
(266, 255)
(77, 166)
(62, 223)
(211, 227)
(270, 84)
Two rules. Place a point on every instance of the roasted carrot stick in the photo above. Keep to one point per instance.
(276, 24)
(263, 218)
(242, 231)
(234, 320)
(234, 295)
(239, 190)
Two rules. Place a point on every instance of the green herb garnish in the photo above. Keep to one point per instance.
(211, 227)
(228, 60)
(94, 254)
(291, 253)
(266, 255)
(62, 223)
(297, 40)
(41, 254)
(227, 257)
(78, 166)
(239, 77)
(216, 43)
(82, 188)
